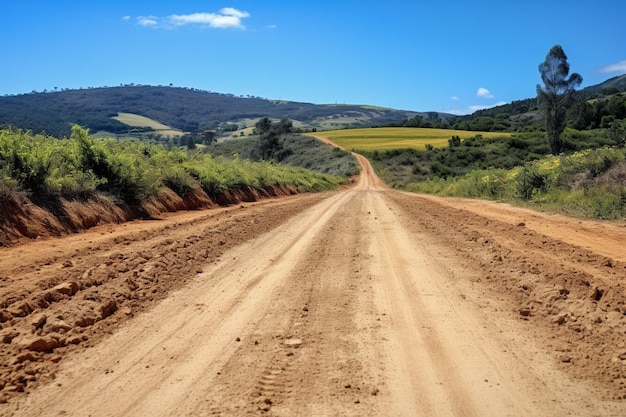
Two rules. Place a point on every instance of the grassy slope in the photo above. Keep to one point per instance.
(180, 108)
(588, 183)
(137, 120)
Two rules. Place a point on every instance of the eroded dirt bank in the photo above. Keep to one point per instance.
(365, 301)
(24, 219)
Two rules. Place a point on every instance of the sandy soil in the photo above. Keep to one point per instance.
(362, 302)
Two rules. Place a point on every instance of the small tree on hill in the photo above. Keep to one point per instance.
(269, 145)
(263, 126)
(556, 94)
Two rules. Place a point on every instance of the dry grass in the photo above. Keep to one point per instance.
(136, 120)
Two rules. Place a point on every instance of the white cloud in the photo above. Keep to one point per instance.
(148, 21)
(455, 98)
(226, 18)
(484, 93)
(229, 11)
(617, 67)
(126, 18)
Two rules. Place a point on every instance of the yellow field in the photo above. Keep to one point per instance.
(388, 138)
(136, 120)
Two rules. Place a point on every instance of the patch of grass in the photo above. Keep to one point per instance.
(391, 138)
(136, 120)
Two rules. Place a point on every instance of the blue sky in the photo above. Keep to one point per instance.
(449, 56)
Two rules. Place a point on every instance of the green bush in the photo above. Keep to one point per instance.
(529, 182)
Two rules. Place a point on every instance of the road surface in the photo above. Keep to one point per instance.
(362, 302)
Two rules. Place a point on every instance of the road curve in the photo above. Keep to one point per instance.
(353, 307)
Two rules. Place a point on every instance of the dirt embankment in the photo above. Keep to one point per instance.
(45, 217)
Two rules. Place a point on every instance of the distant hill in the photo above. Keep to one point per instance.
(610, 86)
(182, 109)
(522, 113)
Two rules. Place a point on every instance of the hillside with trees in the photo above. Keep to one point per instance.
(593, 107)
(196, 111)
(185, 109)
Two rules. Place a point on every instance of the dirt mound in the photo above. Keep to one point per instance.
(249, 194)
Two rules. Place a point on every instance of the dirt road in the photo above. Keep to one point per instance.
(363, 302)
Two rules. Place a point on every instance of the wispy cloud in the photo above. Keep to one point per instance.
(148, 21)
(226, 18)
(617, 67)
(483, 93)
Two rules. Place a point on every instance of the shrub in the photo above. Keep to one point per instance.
(529, 181)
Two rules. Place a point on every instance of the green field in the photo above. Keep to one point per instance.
(388, 138)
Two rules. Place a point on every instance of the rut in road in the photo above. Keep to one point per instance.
(342, 310)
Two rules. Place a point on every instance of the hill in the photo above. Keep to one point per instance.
(524, 114)
(183, 109)
(610, 86)
(180, 110)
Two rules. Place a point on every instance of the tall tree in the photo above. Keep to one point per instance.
(556, 94)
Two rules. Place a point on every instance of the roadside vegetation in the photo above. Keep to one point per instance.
(41, 168)
(589, 183)
(563, 150)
